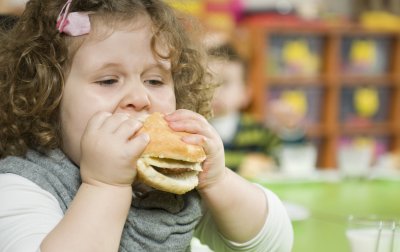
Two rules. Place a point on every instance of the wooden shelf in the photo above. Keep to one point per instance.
(367, 80)
(329, 129)
(374, 129)
(297, 80)
(315, 131)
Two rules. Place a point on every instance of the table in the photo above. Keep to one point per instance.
(330, 204)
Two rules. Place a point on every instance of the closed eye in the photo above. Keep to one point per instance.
(107, 82)
(154, 82)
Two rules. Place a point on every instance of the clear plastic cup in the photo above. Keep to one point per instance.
(355, 161)
(373, 234)
(298, 160)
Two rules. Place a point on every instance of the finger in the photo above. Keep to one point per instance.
(194, 139)
(97, 120)
(204, 142)
(128, 128)
(189, 126)
(137, 144)
(184, 114)
(112, 123)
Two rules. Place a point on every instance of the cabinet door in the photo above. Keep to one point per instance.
(365, 55)
(294, 55)
(364, 105)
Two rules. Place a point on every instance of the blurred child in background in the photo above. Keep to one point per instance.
(250, 146)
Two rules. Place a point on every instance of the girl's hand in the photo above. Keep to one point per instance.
(204, 135)
(109, 150)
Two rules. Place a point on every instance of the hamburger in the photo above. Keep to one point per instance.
(167, 163)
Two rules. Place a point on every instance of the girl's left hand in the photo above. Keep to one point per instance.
(203, 134)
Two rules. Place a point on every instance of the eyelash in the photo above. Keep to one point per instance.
(107, 82)
(154, 82)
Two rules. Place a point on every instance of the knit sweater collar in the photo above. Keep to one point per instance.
(157, 221)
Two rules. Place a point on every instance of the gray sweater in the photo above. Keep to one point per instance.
(157, 221)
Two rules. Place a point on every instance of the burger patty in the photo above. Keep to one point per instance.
(171, 170)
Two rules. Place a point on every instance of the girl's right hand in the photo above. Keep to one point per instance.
(110, 149)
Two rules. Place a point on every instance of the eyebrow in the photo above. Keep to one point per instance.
(105, 66)
(165, 67)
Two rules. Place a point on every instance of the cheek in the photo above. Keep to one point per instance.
(164, 101)
(73, 124)
(229, 96)
(75, 110)
(220, 96)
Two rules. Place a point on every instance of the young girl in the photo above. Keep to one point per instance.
(75, 77)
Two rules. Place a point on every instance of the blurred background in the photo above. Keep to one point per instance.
(337, 63)
(324, 77)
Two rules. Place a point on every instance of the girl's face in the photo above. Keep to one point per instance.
(116, 74)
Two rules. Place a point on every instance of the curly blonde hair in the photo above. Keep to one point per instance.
(34, 58)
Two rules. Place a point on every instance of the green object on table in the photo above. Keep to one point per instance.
(330, 204)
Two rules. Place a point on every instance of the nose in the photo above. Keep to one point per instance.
(136, 98)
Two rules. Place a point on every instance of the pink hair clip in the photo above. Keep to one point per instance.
(74, 23)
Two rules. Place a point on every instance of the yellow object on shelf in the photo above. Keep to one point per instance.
(363, 141)
(380, 20)
(297, 53)
(363, 51)
(297, 100)
(366, 101)
(220, 21)
(193, 7)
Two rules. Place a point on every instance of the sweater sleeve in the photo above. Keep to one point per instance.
(275, 236)
(27, 214)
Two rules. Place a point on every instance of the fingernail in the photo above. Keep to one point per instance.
(168, 115)
(145, 137)
(142, 118)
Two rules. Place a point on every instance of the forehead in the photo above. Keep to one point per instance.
(113, 35)
(103, 24)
